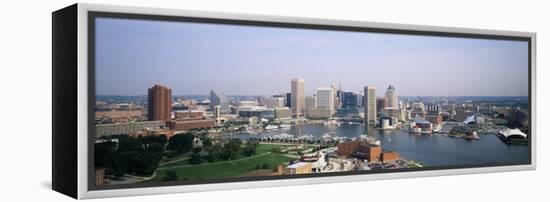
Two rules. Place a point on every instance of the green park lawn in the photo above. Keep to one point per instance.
(222, 169)
(261, 149)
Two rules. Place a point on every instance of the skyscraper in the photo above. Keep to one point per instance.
(325, 98)
(297, 101)
(218, 98)
(370, 104)
(159, 103)
(391, 98)
(288, 100)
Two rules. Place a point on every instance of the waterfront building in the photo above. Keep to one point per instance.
(218, 98)
(159, 103)
(297, 97)
(310, 102)
(346, 149)
(350, 104)
(389, 156)
(325, 98)
(372, 152)
(255, 111)
(387, 122)
(349, 100)
(319, 113)
(390, 98)
(282, 113)
(370, 104)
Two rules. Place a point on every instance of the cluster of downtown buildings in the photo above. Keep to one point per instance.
(163, 113)
(162, 116)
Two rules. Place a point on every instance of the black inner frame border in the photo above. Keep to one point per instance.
(93, 15)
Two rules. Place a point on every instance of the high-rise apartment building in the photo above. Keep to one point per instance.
(159, 103)
(298, 98)
(370, 104)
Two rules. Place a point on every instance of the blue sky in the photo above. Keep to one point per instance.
(192, 58)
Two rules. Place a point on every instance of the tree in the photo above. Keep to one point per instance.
(160, 139)
(126, 143)
(265, 166)
(181, 143)
(125, 162)
(206, 142)
(250, 148)
(103, 154)
(214, 153)
(196, 158)
(231, 149)
(170, 175)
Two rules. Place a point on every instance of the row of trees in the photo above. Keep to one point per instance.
(141, 155)
(136, 156)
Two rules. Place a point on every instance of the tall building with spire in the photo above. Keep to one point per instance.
(297, 97)
(159, 103)
(391, 98)
(370, 104)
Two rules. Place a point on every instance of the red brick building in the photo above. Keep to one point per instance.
(389, 156)
(347, 148)
(370, 152)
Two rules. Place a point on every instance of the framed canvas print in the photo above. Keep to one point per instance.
(150, 101)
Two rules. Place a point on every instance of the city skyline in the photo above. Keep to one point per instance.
(193, 59)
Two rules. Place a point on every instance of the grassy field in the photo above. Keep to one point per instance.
(261, 149)
(223, 169)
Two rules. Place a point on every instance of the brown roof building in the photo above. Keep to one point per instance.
(347, 148)
(389, 156)
(159, 103)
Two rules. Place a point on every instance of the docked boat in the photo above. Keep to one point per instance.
(437, 128)
(271, 127)
(284, 126)
(471, 135)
